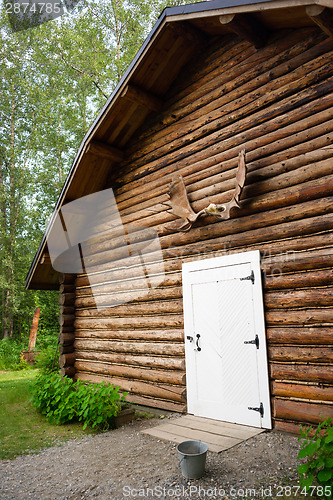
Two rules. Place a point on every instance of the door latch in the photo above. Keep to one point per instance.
(254, 341)
(260, 409)
(189, 338)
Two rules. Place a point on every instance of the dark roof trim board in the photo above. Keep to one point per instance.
(170, 14)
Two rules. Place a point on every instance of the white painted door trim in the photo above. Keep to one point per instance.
(190, 275)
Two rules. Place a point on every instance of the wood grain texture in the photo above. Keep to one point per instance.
(276, 103)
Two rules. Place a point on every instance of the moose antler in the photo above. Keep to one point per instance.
(223, 211)
(180, 205)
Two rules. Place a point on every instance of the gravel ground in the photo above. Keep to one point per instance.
(127, 464)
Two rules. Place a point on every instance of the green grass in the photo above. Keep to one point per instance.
(22, 429)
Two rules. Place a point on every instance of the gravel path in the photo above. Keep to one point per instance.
(127, 464)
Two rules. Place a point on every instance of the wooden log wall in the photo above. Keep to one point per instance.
(66, 320)
(277, 103)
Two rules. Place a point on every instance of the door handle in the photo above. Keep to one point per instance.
(197, 343)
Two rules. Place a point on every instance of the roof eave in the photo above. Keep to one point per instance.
(170, 14)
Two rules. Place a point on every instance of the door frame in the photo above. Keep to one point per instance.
(253, 258)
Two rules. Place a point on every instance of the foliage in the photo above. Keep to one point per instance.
(10, 355)
(53, 79)
(63, 400)
(23, 429)
(48, 360)
(318, 450)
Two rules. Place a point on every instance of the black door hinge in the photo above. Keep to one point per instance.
(254, 341)
(260, 409)
(251, 277)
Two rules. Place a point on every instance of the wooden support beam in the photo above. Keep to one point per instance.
(104, 150)
(322, 16)
(247, 27)
(137, 95)
(189, 33)
(45, 259)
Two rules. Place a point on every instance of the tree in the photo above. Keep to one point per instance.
(53, 80)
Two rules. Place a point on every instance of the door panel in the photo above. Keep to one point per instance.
(223, 377)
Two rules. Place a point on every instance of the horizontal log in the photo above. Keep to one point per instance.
(314, 180)
(67, 310)
(66, 339)
(265, 189)
(301, 354)
(314, 297)
(147, 335)
(301, 336)
(67, 359)
(66, 349)
(158, 376)
(171, 392)
(302, 391)
(234, 63)
(250, 222)
(167, 363)
(156, 403)
(299, 280)
(113, 293)
(302, 372)
(238, 110)
(67, 299)
(231, 228)
(160, 307)
(171, 279)
(67, 371)
(303, 261)
(67, 329)
(277, 257)
(66, 279)
(158, 348)
(66, 319)
(143, 322)
(249, 72)
(107, 274)
(240, 128)
(262, 239)
(285, 426)
(301, 411)
(213, 178)
(67, 288)
(313, 133)
(299, 317)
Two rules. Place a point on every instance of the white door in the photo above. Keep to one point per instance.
(225, 342)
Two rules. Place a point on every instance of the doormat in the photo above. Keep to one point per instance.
(218, 435)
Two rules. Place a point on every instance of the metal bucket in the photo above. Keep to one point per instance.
(192, 455)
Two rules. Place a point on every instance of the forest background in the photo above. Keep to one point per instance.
(54, 78)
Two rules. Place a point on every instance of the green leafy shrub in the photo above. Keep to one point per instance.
(63, 400)
(24, 365)
(10, 355)
(48, 360)
(318, 450)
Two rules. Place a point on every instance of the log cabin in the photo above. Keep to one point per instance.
(231, 318)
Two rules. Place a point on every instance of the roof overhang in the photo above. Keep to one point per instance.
(140, 92)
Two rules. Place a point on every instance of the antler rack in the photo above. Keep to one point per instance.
(181, 207)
